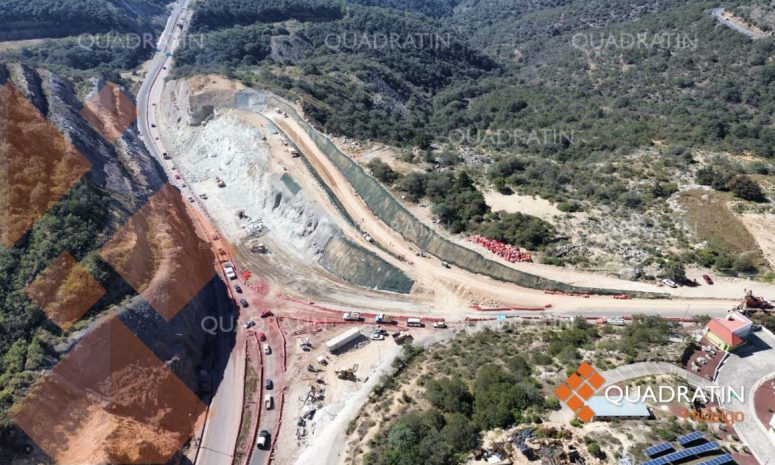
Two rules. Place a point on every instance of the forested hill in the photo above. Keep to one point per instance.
(503, 64)
(31, 19)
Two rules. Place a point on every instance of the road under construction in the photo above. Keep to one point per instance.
(439, 291)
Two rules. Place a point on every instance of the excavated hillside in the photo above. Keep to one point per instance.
(129, 378)
(257, 199)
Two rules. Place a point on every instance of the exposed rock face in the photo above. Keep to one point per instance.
(129, 176)
(289, 49)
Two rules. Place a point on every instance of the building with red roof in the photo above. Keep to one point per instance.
(729, 333)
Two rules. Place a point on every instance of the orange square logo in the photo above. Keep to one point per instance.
(585, 370)
(586, 414)
(574, 381)
(596, 381)
(574, 403)
(585, 391)
(563, 392)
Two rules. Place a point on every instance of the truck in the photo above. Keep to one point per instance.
(414, 322)
(228, 268)
(268, 401)
(380, 318)
(263, 439)
(343, 339)
(351, 316)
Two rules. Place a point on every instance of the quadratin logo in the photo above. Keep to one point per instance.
(578, 388)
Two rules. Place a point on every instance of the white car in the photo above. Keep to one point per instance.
(440, 325)
(669, 283)
(377, 337)
(268, 402)
(267, 349)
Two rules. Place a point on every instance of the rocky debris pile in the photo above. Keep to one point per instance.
(632, 253)
(507, 252)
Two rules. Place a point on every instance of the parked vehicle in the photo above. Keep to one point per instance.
(249, 324)
(414, 322)
(707, 279)
(263, 439)
(261, 336)
(377, 337)
(669, 283)
(267, 349)
(244, 303)
(352, 316)
(440, 325)
(266, 314)
(238, 288)
(268, 401)
(268, 384)
(380, 318)
(229, 270)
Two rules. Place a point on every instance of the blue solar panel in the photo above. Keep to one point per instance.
(658, 449)
(690, 438)
(659, 461)
(720, 460)
(682, 455)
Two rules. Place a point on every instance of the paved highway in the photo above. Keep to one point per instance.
(223, 422)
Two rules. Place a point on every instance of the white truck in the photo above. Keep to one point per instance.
(228, 268)
(268, 401)
(351, 316)
(414, 322)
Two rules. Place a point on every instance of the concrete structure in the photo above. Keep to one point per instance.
(606, 410)
(729, 333)
(343, 339)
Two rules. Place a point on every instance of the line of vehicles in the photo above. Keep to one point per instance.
(382, 318)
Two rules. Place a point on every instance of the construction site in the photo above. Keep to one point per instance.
(323, 252)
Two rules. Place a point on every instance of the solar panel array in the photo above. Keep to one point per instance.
(658, 449)
(720, 460)
(681, 455)
(690, 438)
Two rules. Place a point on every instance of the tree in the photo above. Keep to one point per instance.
(675, 270)
(382, 171)
(746, 189)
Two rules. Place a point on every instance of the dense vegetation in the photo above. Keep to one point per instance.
(26, 338)
(519, 85)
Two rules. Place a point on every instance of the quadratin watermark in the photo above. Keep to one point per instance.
(599, 42)
(115, 41)
(509, 137)
(585, 382)
(391, 40)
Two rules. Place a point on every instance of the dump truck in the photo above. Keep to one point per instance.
(343, 339)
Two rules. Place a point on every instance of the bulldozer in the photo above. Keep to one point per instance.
(752, 302)
(347, 373)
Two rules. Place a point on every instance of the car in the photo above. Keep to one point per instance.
(707, 279)
(263, 439)
(153, 125)
(238, 288)
(440, 325)
(249, 324)
(229, 270)
(261, 336)
(267, 349)
(190, 199)
(266, 314)
(377, 337)
(268, 401)
(244, 303)
(177, 176)
(669, 283)
(268, 384)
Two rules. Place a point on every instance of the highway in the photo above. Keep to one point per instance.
(225, 411)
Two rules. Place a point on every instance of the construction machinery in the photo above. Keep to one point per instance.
(752, 302)
(347, 373)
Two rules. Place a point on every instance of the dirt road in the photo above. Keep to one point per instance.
(454, 287)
